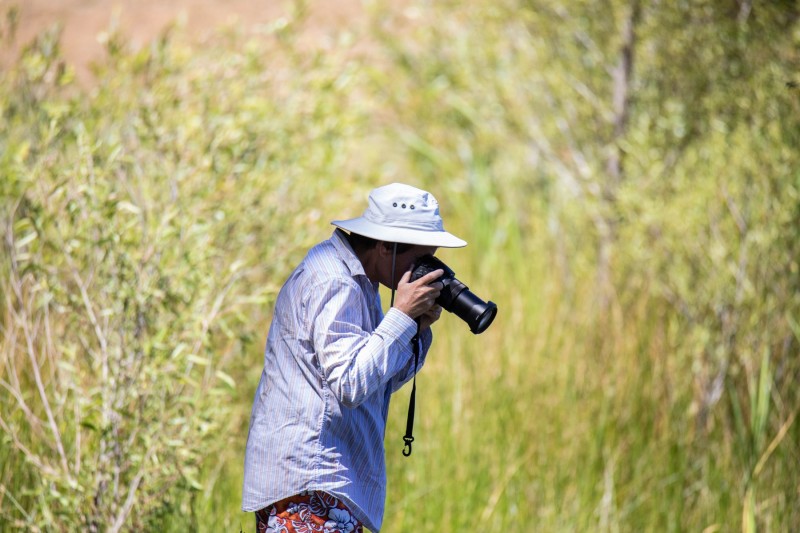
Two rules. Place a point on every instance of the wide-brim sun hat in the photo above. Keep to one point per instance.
(403, 214)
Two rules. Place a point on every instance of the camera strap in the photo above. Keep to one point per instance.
(409, 437)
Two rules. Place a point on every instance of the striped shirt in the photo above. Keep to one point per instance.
(331, 363)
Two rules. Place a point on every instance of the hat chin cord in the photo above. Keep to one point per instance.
(408, 438)
(394, 259)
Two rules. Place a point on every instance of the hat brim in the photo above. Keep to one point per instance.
(362, 226)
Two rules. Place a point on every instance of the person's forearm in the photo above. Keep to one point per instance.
(402, 377)
(356, 367)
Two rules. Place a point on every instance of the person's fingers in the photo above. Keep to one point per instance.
(430, 277)
(431, 316)
(418, 297)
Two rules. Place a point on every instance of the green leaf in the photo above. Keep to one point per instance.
(226, 378)
(24, 241)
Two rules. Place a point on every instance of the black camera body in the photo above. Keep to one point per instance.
(456, 297)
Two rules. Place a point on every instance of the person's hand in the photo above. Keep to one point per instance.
(418, 297)
(429, 317)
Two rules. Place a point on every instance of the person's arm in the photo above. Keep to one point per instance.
(426, 291)
(402, 377)
(356, 363)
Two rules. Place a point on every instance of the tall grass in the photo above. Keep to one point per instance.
(639, 377)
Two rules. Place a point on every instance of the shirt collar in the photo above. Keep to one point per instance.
(345, 251)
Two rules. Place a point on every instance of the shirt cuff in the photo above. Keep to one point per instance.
(399, 325)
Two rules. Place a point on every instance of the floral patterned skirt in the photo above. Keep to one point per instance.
(308, 512)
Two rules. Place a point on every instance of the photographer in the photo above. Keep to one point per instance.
(315, 459)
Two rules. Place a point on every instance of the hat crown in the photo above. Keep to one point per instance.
(403, 206)
(403, 214)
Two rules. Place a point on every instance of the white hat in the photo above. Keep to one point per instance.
(403, 214)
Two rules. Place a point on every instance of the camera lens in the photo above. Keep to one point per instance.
(475, 312)
(456, 298)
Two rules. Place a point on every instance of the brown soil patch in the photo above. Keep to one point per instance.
(84, 21)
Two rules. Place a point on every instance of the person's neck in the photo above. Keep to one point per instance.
(369, 260)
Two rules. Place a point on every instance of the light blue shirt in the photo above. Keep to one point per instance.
(332, 362)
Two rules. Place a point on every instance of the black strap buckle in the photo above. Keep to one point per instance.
(407, 448)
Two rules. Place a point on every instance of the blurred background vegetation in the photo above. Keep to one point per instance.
(628, 178)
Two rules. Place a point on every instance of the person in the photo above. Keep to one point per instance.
(314, 458)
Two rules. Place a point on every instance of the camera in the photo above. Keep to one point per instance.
(456, 297)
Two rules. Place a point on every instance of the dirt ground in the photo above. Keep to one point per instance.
(84, 21)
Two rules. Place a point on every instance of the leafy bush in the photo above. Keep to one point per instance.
(144, 224)
(626, 175)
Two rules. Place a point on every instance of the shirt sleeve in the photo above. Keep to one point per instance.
(354, 361)
(402, 377)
